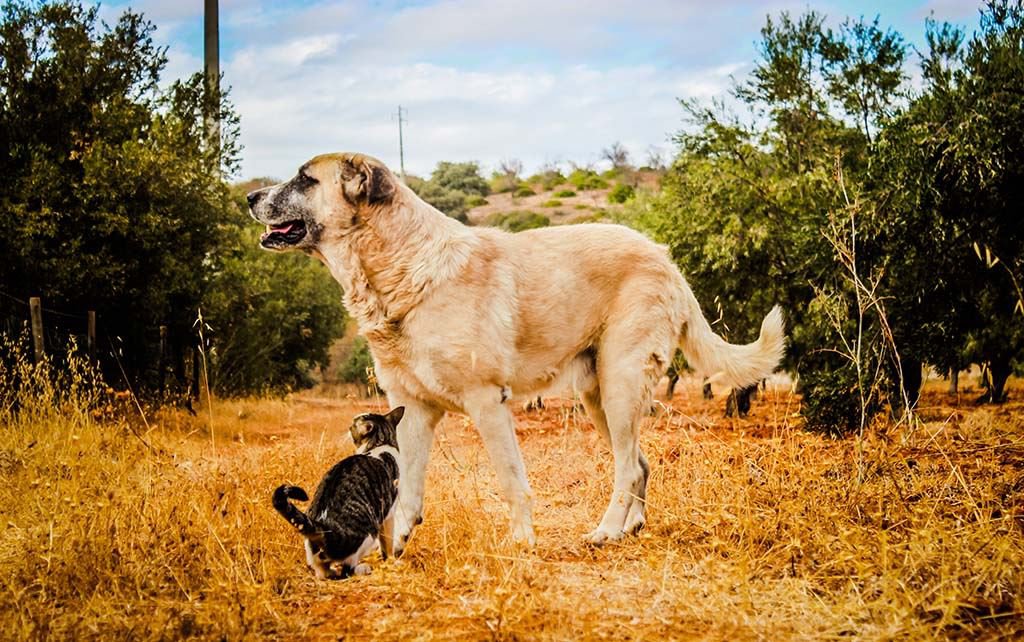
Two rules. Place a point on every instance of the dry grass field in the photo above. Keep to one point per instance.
(116, 529)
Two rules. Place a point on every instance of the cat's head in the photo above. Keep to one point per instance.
(370, 430)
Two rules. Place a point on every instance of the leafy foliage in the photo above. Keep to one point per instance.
(453, 188)
(621, 193)
(356, 367)
(111, 200)
(856, 211)
(587, 179)
(518, 221)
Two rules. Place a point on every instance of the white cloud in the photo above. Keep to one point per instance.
(325, 84)
(482, 80)
(293, 110)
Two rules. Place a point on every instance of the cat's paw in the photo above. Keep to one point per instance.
(361, 569)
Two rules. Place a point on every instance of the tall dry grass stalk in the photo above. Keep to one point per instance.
(757, 529)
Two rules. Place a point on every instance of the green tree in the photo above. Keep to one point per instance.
(950, 177)
(751, 201)
(462, 177)
(450, 187)
(112, 201)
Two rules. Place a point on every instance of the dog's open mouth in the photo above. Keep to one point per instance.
(282, 234)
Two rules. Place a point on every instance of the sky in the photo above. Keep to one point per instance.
(539, 81)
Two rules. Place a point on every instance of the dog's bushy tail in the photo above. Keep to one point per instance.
(295, 517)
(727, 364)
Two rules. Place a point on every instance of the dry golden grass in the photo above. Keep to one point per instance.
(756, 529)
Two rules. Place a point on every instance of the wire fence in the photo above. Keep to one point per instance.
(151, 360)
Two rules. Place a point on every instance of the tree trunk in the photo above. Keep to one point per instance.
(912, 380)
(954, 381)
(999, 371)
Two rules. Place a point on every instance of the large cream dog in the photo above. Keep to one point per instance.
(463, 318)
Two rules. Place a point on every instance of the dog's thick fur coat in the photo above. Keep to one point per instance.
(461, 318)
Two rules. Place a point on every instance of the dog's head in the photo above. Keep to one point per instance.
(328, 196)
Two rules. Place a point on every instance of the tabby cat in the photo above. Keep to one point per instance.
(351, 511)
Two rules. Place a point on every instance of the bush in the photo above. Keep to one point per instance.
(548, 180)
(502, 183)
(523, 191)
(554, 202)
(358, 364)
(587, 179)
(621, 193)
(460, 177)
(476, 201)
(452, 202)
(565, 193)
(271, 317)
(518, 221)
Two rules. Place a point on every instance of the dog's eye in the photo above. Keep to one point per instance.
(305, 179)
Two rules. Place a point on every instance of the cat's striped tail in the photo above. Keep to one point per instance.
(295, 517)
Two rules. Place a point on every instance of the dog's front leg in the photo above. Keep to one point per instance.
(415, 437)
(488, 409)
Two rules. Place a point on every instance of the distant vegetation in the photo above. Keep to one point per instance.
(453, 188)
(518, 221)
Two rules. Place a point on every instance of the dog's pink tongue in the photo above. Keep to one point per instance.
(282, 229)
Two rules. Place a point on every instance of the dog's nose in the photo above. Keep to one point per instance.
(254, 198)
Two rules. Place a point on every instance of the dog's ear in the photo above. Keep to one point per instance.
(367, 182)
(395, 415)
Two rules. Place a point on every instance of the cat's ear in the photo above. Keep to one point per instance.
(361, 427)
(395, 415)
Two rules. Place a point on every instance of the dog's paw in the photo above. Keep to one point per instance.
(401, 533)
(634, 525)
(599, 537)
(524, 537)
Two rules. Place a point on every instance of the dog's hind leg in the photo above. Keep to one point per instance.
(592, 403)
(493, 419)
(633, 354)
(626, 386)
(415, 437)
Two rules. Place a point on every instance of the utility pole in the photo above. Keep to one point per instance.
(401, 144)
(211, 52)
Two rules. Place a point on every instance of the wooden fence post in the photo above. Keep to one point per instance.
(162, 360)
(195, 371)
(90, 341)
(35, 305)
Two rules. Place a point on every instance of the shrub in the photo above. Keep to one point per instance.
(476, 201)
(554, 202)
(502, 184)
(452, 202)
(621, 193)
(461, 177)
(565, 193)
(587, 179)
(357, 365)
(548, 180)
(523, 191)
(518, 221)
